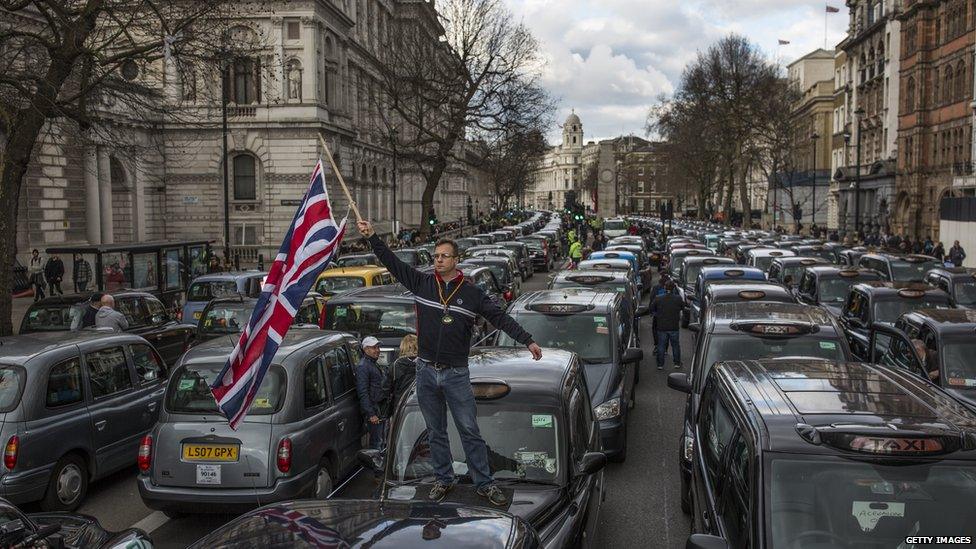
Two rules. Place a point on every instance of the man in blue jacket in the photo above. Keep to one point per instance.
(447, 306)
(369, 386)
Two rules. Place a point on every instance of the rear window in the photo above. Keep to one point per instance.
(358, 261)
(226, 318)
(749, 347)
(614, 225)
(889, 310)
(205, 291)
(335, 284)
(55, 317)
(189, 391)
(408, 257)
(965, 293)
(372, 318)
(11, 386)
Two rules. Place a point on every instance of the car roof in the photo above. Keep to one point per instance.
(884, 287)
(759, 311)
(598, 299)
(392, 292)
(770, 288)
(72, 299)
(801, 260)
(954, 272)
(786, 394)
(706, 259)
(593, 272)
(217, 350)
(232, 275)
(899, 257)
(774, 252)
(18, 349)
(719, 271)
(945, 320)
(827, 269)
(363, 270)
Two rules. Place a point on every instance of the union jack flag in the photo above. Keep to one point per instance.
(307, 528)
(309, 245)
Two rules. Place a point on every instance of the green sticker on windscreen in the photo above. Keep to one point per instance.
(33, 314)
(829, 345)
(542, 421)
(341, 312)
(187, 384)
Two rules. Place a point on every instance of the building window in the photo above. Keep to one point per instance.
(640, 170)
(244, 81)
(245, 178)
(245, 234)
(949, 85)
(294, 30)
(910, 95)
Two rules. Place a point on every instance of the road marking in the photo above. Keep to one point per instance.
(152, 522)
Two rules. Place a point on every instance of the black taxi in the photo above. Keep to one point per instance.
(613, 281)
(936, 344)
(883, 303)
(829, 285)
(599, 328)
(899, 268)
(741, 292)
(749, 331)
(544, 451)
(959, 282)
(787, 270)
(807, 454)
(688, 276)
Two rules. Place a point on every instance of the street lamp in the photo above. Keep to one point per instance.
(813, 208)
(224, 76)
(393, 138)
(858, 114)
(847, 162)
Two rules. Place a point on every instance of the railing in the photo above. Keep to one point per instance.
(242, 111)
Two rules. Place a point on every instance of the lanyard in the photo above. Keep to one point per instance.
(440, 293)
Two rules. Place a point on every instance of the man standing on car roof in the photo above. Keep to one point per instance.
(447, 305)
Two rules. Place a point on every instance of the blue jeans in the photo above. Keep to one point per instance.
(663, 338)
(438, 390)
(376, 433)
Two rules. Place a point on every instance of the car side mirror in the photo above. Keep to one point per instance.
(704, 541)
(591, 462)
(371, 459)
(633, 354)
(643, 310)
(694, 326)
(679, 382)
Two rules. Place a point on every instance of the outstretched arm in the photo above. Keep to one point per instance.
(501, 320)
(405, 274)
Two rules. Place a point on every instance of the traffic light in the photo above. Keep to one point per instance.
(432, 219)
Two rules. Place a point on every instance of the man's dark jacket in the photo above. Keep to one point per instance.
(399, 378)
(667, 310)
(446, 343)
(369, 386)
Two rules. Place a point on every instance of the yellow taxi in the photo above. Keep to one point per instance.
(342, 279)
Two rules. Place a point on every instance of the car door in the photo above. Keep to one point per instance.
(167, 336)
(736, 508)
(318, 430)
(714, 433)
(852, 320)
(892, 347)
(150, 378)
(586, 491)
(115, 435)
(337, 363)
(60, 421)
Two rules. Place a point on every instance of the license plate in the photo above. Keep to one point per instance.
(197, 315)
(210, 452)
(208, 474)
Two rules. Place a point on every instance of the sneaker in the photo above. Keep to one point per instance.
(439, 490)
(493, 493)
(677, 365)
(660, 367)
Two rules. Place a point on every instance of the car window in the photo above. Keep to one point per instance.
(315, 393)
(108, 372)
(736, 507)
(205, 291)
(307, 314)
(149, 367)
(377, 280)
(156, 311)
(580, 432)
(134, 311)
(717, 429)
(189, 391)
(64, 383)
(53, 317)
(339, 370)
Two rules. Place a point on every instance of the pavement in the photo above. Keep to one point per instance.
(642, 506)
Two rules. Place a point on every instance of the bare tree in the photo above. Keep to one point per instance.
(511, 160)
(479, 81)
(73, 66)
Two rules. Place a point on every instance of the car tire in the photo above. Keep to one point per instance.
(68, 485)
(324, 480)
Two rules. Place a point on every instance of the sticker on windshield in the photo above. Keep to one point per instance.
(33, 314)
(602, 330)
(187, 384)
(341, 312)
(961, 382)
(828, 345)
(542, 421)
(262, 403)
(868, 513)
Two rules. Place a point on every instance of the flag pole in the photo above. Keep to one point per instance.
(826, 13)
(342, 183)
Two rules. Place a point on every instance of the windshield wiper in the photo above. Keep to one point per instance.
(522, 480)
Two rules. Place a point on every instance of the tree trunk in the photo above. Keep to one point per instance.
(433, 179)
(744, 194)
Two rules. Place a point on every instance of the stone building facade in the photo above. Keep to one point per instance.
(935, 122)
(560, 169)
(644, 179)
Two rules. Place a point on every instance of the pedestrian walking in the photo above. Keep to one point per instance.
(939, 252)
(81, 274)
(36, 270)
(108, 317)
(667, 309)
(54, 273)
(447, 306)
(956, 254)
(575, 253)
(369, 387)
(402, 373)
(658, 290)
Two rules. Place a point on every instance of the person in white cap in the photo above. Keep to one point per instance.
(369, 385)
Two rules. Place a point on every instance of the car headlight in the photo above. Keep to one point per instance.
(688, 447)
(608, 410)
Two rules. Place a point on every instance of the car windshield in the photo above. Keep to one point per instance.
(965, 293)
(835, 290)
(523, 443)
(619, 287)
(763, 263)
(11, 385)
(587, 335)
(332, 285)
(750, 347)
(357, 261)
(499, 270)
(372, 318)
(407, 256)
(226, 318)
(847, 503)
(888, 310)
(692, 270)
(207, 290)
(906, 271)
(614, 225)
(53, 317)
(957, 361)
(189, 391)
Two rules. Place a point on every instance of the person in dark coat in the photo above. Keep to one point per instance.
(667, 309)
(36, 271)
(54, 273)
(87, 318)
(369, 386)
(82, 274)
(956, 254)
(402, 373)
(939, 252)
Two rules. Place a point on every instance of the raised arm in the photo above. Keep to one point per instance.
(501, 320)
(410, 277)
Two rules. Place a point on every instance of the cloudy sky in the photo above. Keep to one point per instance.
(610, 59)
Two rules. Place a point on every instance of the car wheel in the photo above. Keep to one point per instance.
(324, 481)
(68, 485)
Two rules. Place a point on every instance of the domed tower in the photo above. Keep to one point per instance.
(572, 132)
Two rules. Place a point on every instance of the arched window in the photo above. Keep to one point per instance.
(363, 176)
(961, 80)
(245, 178)
(910, 95)
(949, 85)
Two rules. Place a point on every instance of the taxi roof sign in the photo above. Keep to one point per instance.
(734, 272)
(910, 292)
(752, 294)
(489, 389)
(849, 274)
(558, 308)
(773, 329)
(589, 279)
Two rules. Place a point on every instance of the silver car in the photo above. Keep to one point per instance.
(73, 408)
(300, 436)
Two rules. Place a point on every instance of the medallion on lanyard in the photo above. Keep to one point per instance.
(447, 318)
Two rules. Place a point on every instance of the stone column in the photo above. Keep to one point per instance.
(105, 194)
(138, 201)
(93, 218)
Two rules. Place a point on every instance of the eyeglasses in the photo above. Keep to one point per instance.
(443, 256)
